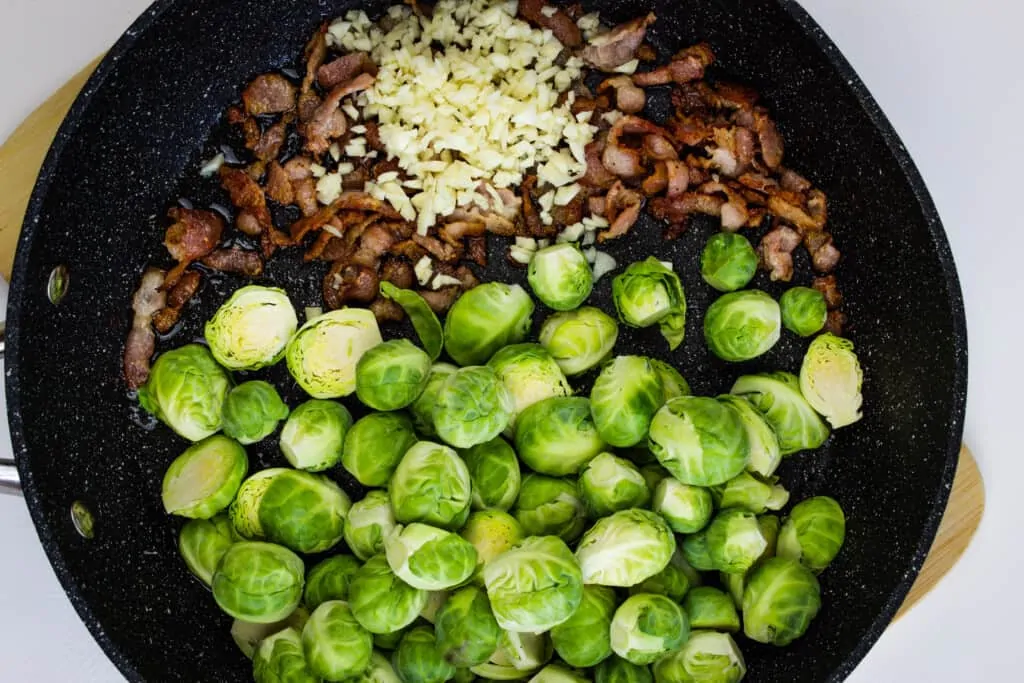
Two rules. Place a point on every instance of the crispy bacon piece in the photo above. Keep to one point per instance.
(441, 300)
(397, 271)
(829, 288)
(597, 175)
(386, 310)
(373, 243)
(534, 225)
(193, 235)
(445, 253)
(776, 252)
(835, 322)
(349, 283)
(269, 94)
(539, 13)
(659, 148)
(570, 213)
(346, 201)
(622, 209)
(678, 178)
(688, 65)
(315, 54)
(271, 140)
(476, 250)
(345, 68)
(279, 185)
(328, 121)
(179, 295)
(235, 261)
(141, 343)
(611, 50)
(453, 233)
(824, 255)
(246, 195)
(629, 99)
(656, 182)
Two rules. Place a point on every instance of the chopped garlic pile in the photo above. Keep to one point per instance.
(483, 109)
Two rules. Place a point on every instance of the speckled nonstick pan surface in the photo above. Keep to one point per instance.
(131, 146)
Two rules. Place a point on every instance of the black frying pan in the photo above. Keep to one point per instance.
(131, 145)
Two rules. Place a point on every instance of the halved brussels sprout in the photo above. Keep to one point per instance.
(251, 329)
(695, 551)
(202, 543)
(431, 485)
(653, 473)
(765, 454)
(728, 262)
(473, 406)
(380, 601)
(418, 658)
(707, 657)
(672, 582)
(258, 582)
(780, 600)
(579, 340)
(712, 609)
(324, 353)
(314, 434)
(279, 657)
(494, 470)
(830, 380)
(380, 670)
(735, 541)
(467, 632)
(672, 382)
(609, 483)
(742, 325)
(560, 276)
(204, 479)
(648, 293)
(557, 436)
(813, 533)
(186, 390)
(618, 670)
(375, 445)
(803, 310)
(252, 411)
(699, 440)
(557, 673)
(423, 319)
(369, 522)
(625, 548)
(534, 586)
(687, 509)
(491, 532)
(330, 580)
(422, 408)
(336, 646)
(248, 636)
(484, 319)
(751, 493)
(583, 640)
(518, 655)
(429, 558)
(776, 395)
(392, 375)
(530, 374)
(548, 506)
(624, 399)
(647, 626)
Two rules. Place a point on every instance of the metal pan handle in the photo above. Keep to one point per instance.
(9, 481)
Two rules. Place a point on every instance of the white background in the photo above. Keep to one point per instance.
(948, 74)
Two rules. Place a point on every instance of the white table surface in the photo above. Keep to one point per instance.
(947, 73)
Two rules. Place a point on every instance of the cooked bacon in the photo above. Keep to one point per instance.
(465, 276)
(776, 252)
(597, 175)
(248, 224)
(349, 283)
(734, 213)
(372, 136)
(835, 322)
(560, 23)
(315, 54)
(792, 181)
(571, 213)
(316, 250)
(611, 50)
(771, 141)
(656, 182)
(141, 343)
(686, 66)
(678, 178)
(622, 161)
(629, 99)
(409, 250)
(269, 94)
(759, 182)
(596, 205)
(659, 148)
(179, 295)
(824, 255)
(386, 310)
(299, 168)
(829, 288)
(622, 209)
(345, 69)
(534, 225)
(246, 195)
(397, 271)
(442, 299)
(279, 186)
(236, 261)
(194, 234)
(346, 201)
(476, 250)
(677, 210)
(373, 243)
(454, 232)
(783, 207)
(271, 140)
(328, 121)
(445, 253)
(597, 105)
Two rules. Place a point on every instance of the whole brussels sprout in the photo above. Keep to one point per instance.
(672, 382)
(204, 479)
(251, 329)
(557, 436)
(379, 671)
(672, 582)
(583, 640)
(780, 600)
(830, 380)
(648, 293)
(330, 580)
(248, 636)
(609, 483)
(765, 453)
(734, 585)
(550, 507)
(699, 440)
(467, 632)
(392, 375)
(776, 395)
(803, 310)
(336, 646)
(560, 276)
(707, 657)
(813, 533)
(186, 390)
(494, 470)
(770, 527)
(534, 586)
(375, 445)
(710, 608)
(735, 541)
(618, 670)
(530, 374)
(579, 340)
(431, 485)
(389, 641)
(556, 673)
(473, 406)
(518, 655)
(324, 353)
(484, 319)
(258, 582)
(491, 532)
(369, 522)
(625, 548)
(435, 601)
(687, 509)
(279, 657)
(695, 551)
(418, 658)
(751, 493)
(252, 411)
(429, 558)
(624, 398)
(647, 626)
(742, 325)
(422, 408)
(202, 543)
(654, 474)
(728, 262)
(313, 436)
(381, 602)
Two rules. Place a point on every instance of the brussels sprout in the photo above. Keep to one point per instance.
(679, 560)
(625, 548)
(742, 325)
(484, 319)
(375, 445)
(699, 440)
(618, 670)
(550, 506)
(560, 276)
(648, 293)
(390, 641)
(695, 551)
(369, 522)
(579, 340)
(467, 632)
(418, 659)
(258, 582)
(776, 395)
(251, 329)
(252, 411)
(557, 436)
(204, 479)
(765, 454)
(429, 558)
(473, 406)
(324, 353)
(749, 492)
(803, 310)
(556, 673)
(672, 582)
(734, 585)
(530, 374)
(707, 657)
(248, 636)
(647, 626)
(279, 657)
(673, 383)
(624, 398)
(770, 527)
(534, 586)
(830, 380)
(186, 391)
(609, 483)
(735, 541)
(780, 600)
(813, 533)
(392, 375)
(464, 676)
(654, 474)
(728, 262)
(712, 609)
(494, 471)
(491, 532)
(336, 646)
(518, 656)
(687, 509)
(422, 408)
(431, 485)
(423, 319)
(584, 640)
(330, 580)
(202, 543)
(314, 434)
(380, 670)
(435, 601)
(381, 602)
